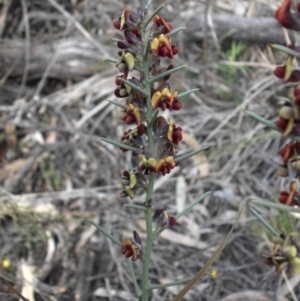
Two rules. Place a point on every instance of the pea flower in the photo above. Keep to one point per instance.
(286, 18)
(131, 114)
(284, 255)
(161, 25)
(133, 248)
(165, 165)
(162, 46)
(165, 100)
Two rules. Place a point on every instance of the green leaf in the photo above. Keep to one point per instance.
(264, 121)
(285, 50)
(264, 222)
(191, 154)
(175, 31)
(187, 93)
(162, 75)
(117, 104)
(106, 233)
(115, 143)
(147, 49)
(110, 60)
(133, 86)
(211, 260)
(188, 208)
(274, 205)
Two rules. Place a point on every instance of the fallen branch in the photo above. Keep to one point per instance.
(258, 30)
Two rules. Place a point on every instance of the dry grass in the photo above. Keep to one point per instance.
(54, 175)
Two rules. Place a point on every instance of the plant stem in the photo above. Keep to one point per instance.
(145, 275)
(148, 213)
(136, 286)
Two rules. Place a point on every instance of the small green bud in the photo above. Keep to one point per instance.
(289, 252)
(294, 266)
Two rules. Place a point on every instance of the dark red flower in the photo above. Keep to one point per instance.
(292, 77)
(161, 25)
(174, 133)
(289, 150)
(165, 100)
(291, 198)
(162, 46)
(147, 165)
(133, 137)
(163, 219)
(165, 165)
(131, 114)
(120, 24)
(286, 18)
(131, 249)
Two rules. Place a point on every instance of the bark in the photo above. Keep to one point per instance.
(70, 58)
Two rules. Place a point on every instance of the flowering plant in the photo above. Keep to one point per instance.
(144, 90)
(286, 252)
(154, 140)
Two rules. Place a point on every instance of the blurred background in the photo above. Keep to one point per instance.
(54, 175)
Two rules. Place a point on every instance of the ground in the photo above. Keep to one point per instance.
(55, 174)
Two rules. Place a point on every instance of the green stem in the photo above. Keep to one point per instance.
(136, 286)
(145, 274)
(148, 213)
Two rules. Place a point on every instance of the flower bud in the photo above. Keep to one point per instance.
(286, 112)
(121, 67)
(294, 268)
(129, 59)
(289, 252)
(293, 186)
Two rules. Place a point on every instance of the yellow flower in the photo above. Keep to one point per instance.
(214, 274)
(6, 263)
